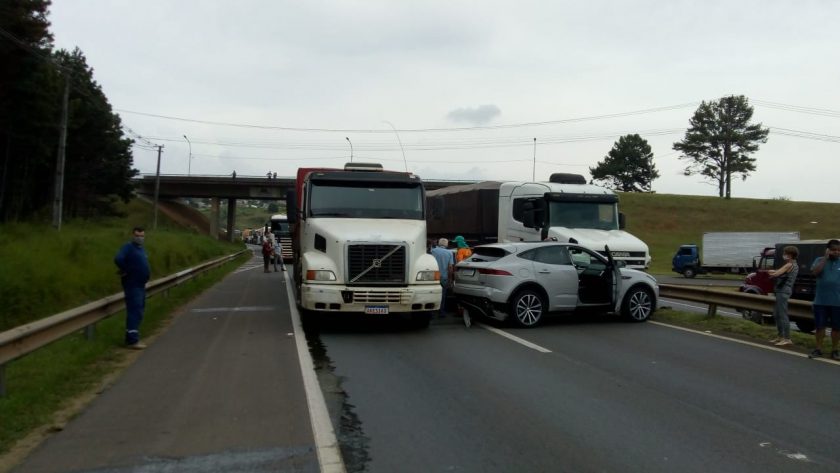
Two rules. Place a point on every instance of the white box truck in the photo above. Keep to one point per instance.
(726, 252)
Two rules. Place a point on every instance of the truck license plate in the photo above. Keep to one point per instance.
(376, 309)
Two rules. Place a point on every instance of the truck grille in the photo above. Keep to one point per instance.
(286, 247)
(368, 264)
(381, 297)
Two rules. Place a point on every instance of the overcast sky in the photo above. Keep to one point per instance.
(305, 76)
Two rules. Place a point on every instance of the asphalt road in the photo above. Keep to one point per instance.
(608, 397)
(220, 390)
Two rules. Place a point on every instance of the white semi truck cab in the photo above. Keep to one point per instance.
(359, 240)
(568, 209)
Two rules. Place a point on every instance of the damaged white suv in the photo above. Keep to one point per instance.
(525, 281)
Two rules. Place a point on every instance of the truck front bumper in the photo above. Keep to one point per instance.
(335, 298)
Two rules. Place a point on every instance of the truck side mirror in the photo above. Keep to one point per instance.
(622, 221)
(291, 207)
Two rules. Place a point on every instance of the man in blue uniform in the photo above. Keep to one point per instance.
(446, 262)
(134, 272)
(827, 299)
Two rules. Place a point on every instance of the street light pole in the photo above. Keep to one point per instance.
(534, 169)
(189, 160)
(351, 147)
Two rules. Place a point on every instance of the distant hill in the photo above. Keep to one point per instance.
(665, 221)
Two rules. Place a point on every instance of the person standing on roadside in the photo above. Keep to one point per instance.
(827, 299)
(134, 271)
(267, 248)
(446, 262)
(278, 254)
(784, 278)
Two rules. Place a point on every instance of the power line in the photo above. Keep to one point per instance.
(805, 134)
(798, 108)
(414, 130)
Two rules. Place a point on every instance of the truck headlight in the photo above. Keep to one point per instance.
(320, 275)
(428, 276)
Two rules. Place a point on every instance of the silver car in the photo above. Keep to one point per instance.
(524, 281)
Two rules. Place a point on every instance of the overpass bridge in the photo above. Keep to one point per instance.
(216, 187)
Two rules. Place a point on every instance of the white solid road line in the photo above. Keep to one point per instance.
(743, 342)
(326, 443)
(516, 339)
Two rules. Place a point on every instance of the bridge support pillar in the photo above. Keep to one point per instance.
(231, 218)
(214, 217)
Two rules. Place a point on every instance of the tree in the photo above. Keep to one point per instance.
(628, 166)
(98, 159)
(29, 109)
(720, 140)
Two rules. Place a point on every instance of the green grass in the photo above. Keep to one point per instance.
(45, 271)
(43, 382)
(666, 221)
(735, 328)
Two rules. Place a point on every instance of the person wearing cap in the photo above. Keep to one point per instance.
(445, 262)
(463, 251)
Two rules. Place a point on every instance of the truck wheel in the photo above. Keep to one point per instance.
(638, 304)
(689, 273)
(527, 308)
(806, 326)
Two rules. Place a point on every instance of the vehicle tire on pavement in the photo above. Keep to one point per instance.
(689, 273)
(637, 304)
(527, 308)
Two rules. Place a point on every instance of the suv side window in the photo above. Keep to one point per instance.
(585, 259)
(530, 255)
(553, 254)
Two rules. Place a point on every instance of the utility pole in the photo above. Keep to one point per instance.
(157, 185)
(58, 198)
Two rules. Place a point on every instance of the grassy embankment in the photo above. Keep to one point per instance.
(665, 221)
(45, 272)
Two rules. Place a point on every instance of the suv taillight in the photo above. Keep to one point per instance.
(494, 272)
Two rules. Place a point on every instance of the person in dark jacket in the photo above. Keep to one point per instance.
(134, 271)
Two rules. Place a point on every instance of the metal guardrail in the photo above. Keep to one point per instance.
(737, 300)
(27, 338)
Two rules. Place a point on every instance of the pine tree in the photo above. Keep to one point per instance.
(628, 166)
(720, 140)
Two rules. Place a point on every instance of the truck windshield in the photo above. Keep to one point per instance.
(595, 215)
(363, 200)
(280, 227)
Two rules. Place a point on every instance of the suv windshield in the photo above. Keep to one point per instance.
(599, 216)
(364, 200)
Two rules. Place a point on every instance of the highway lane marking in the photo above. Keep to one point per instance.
(326, 442)
(236, 309)
(744, 342)
(516, 339)
(247, 268)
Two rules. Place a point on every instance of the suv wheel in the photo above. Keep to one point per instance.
(638, 304)
(527, 308)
